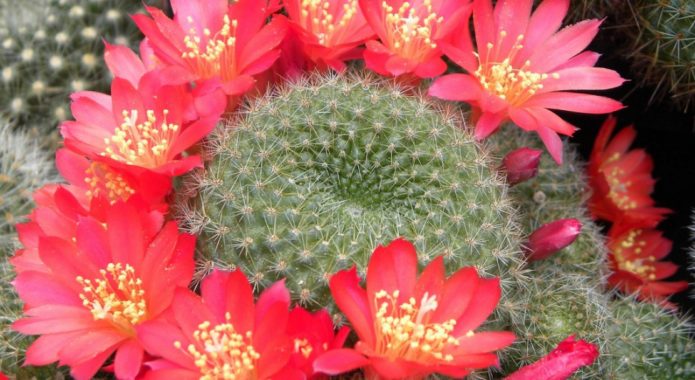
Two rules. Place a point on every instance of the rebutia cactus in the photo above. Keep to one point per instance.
(50, 48)
(23, 168)
(309, 179)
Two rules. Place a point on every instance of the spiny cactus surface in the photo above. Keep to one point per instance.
(23, 168)
(312, 177)
(51, 48)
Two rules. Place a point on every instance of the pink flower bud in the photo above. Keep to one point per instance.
(521, 164)
(561, 363)
(552, 237)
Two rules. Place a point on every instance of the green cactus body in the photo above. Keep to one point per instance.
(51, 48)
(646, 342)
(23, 168)
(311, 178)
(664, 50)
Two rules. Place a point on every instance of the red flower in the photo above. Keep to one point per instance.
(328, 32)
(222, 332)
(560, 363)
(410, 32)
(552, 237)
(523, 67)
(96, 289)
(137, 130)
(97, 179)
(412, 327)
(214, 40)
(58, 210)
(621, 180)
(634, 256)
(312, 335)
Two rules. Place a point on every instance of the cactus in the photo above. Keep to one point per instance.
(23, 168)
(691, 254)
(309, 179)
(50, 49)
(646, 342)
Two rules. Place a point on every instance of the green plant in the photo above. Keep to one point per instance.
(23, 168)
(51, 48)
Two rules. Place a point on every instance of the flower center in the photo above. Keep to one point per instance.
(404, 331)
(619, 192)
(640, 266)
(514, 85)
(410, 29)
(117, 297)
(143, 144)
(303, 347)
(212, 55)
(318, 18)
(221, 352)
(102, 180)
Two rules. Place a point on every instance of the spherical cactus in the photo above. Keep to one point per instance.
(646, 342)
(23, 168)
(663, 51)
(53, 48)
(311, 178)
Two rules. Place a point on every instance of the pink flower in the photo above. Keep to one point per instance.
(560, 363)
(521, 165)
(97, 288)
(138, 130)
(216, 41)
(410, 32)
(410, 326)
(552, 237)
(328, 32)
(222, 332)
(524, 67)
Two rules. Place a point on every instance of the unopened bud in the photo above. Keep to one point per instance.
(521, 164)
(552, 237)
(561, 363)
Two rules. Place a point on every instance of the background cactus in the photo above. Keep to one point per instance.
(50, 48)
(23, 168)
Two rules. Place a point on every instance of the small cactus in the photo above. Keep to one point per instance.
(50, 48)
(309, 179)
(23, 168)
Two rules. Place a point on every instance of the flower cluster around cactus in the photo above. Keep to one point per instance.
(325, 203)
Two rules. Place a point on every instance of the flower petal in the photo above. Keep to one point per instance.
(336, 362)
(352, 301)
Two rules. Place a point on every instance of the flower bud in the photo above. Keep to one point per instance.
(552, 237)
(561, 363)
(521, 164)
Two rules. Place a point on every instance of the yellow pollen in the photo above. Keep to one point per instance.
(619, 192)
(220, 352)
(212, 54)
(404, 331)
(145, 143)
(327, 20)
(641, 266)
(302, 346)
(102, 180)
(117, 297)
(410, 29)
(512, 84)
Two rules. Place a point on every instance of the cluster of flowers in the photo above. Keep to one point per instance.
(104, 274)
(621, 182)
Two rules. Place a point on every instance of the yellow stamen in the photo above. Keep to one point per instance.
(212, 55)
(116, 297)
(328, 25)
(641, 266)
(102, 180)
(220, 352)
(143, 144)
(404, 331)
(411, 29)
